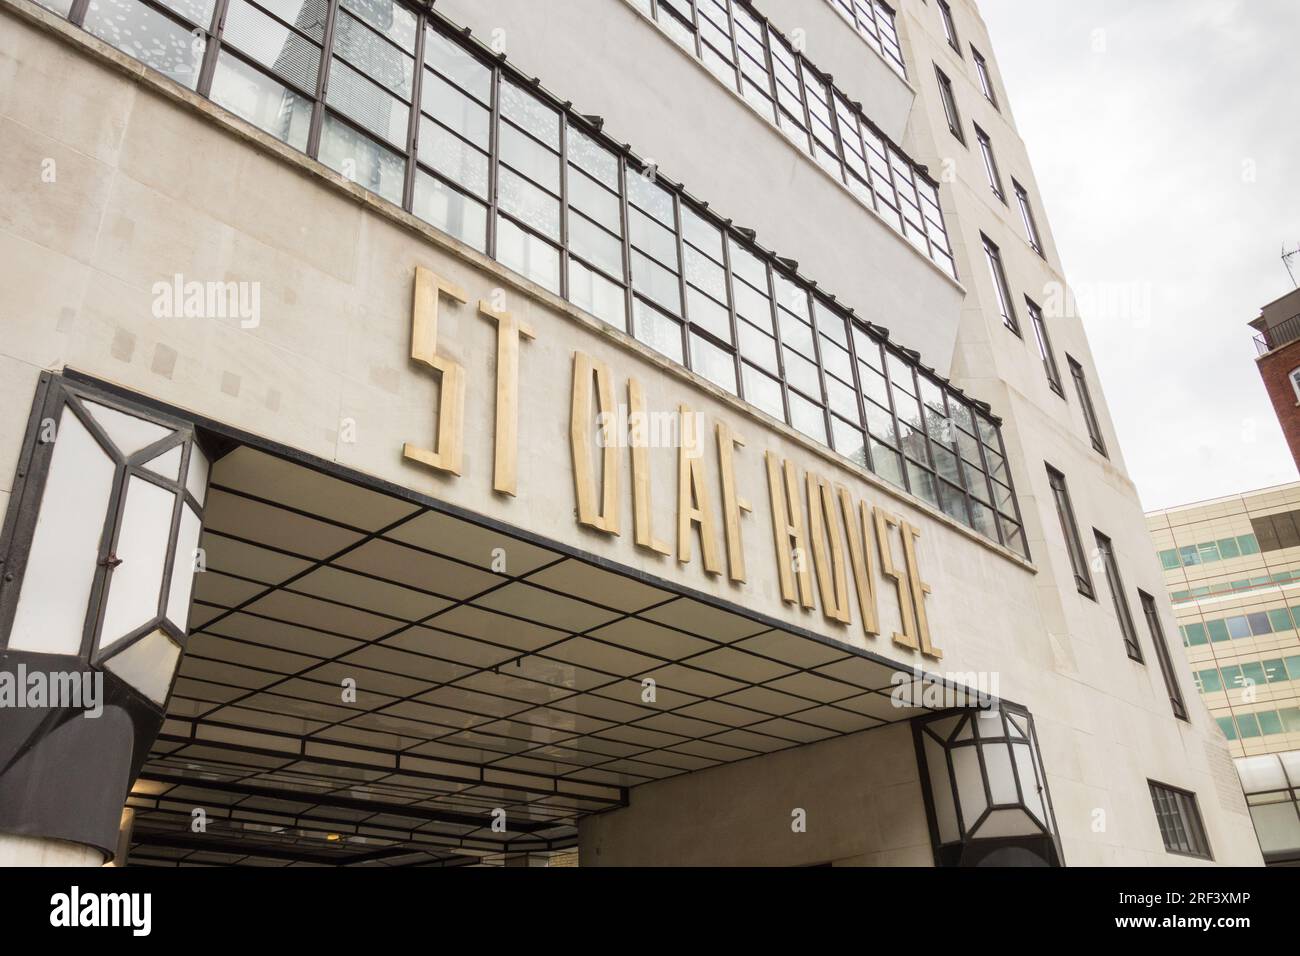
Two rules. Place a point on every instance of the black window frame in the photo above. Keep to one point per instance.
(998, 273)
(1106, 550)
(1070, 532)
(985, 78)
(948, 97)
(1152, 613)
(1050, 368)
(985, 143)
(1178, 817)
(1032, 235)
(1090, 419)
(949, 26)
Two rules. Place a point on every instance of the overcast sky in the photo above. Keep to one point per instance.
(1165, 136)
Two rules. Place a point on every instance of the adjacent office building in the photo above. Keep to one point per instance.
(1232, 566)
(480, 432)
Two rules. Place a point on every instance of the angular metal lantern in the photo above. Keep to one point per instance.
(986, 793)
(100, 550)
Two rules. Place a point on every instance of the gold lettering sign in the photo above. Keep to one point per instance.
(787, 522)
(864, 568)
(446, 455)
(694, 503)
(885, 521)
(642, 506)
(581, 422)
(505, 464)
(732, 504)
(822, 520)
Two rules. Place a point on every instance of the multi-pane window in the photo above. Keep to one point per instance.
(1070, 531)
(949, 28)
(875, 22)
(1162, 655)
(993, 255)
(1179, 819)
(400, 101)
(949, 99)
(1044, 346)
(986, 80)
(1106, 552)
(990, 163)
(745, 52)
(1085, 403)
(1027, 215)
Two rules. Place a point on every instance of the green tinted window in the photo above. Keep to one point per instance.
(1231, 676)
(1228, 547)
(1247, 726)
(1218, 629)
(1290, 719)
(1248, 544)
(1196, 635)
(1189, 555)
(1293, 667)
(1169, 560)
(1226, 725)
(1275, 670)
(1269, 722)
(1280, 618)
(1254, 671)
(1208, 552)
(1210, 681)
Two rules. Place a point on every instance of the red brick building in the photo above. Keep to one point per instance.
(1278, 342)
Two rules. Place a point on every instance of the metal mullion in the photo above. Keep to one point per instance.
(961, 471)
(413, 126)
(77, 12)
(776, 334)
(494, 158)
(213, 49)
(817, 353)
(564, 205)
(322, 80)
(625, 242)
(681, 275)
(735, 48)
(849, 324)
(1015, 499)
(925, 430)
(729, 284)
(695, 26)
(893, 411)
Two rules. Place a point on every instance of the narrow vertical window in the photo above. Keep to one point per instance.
(949, 104)
(1085, 402)
(1162, 655)
(986, 81)
(990, 164)
(1027, 214)
(1070, 529)
(1116, 585)
(994, 257)
(1044, 347)
(949, 28)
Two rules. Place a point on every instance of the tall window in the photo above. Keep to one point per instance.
(1162, 655)
(949, 28)
(1085, 402)
(1044, 347)
(1179, 819)
(990, 164)
(1116, 585)
(949, 104)
(1027, 214)
(1070, 529)
(986, 81)
(994, 257)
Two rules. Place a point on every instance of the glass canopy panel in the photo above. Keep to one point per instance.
(148, 665)
(970, 785)
(1002, 777)
(196, 482)
(1031, 796)
(128, 433)
(168, 464)
(944, 810)
(135, 585)
(51, 613)
(183, 568)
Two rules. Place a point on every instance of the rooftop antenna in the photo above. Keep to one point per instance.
(1286, 261)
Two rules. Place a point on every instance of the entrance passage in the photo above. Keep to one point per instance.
(370, 680)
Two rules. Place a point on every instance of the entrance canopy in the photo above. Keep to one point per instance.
(372, 680)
